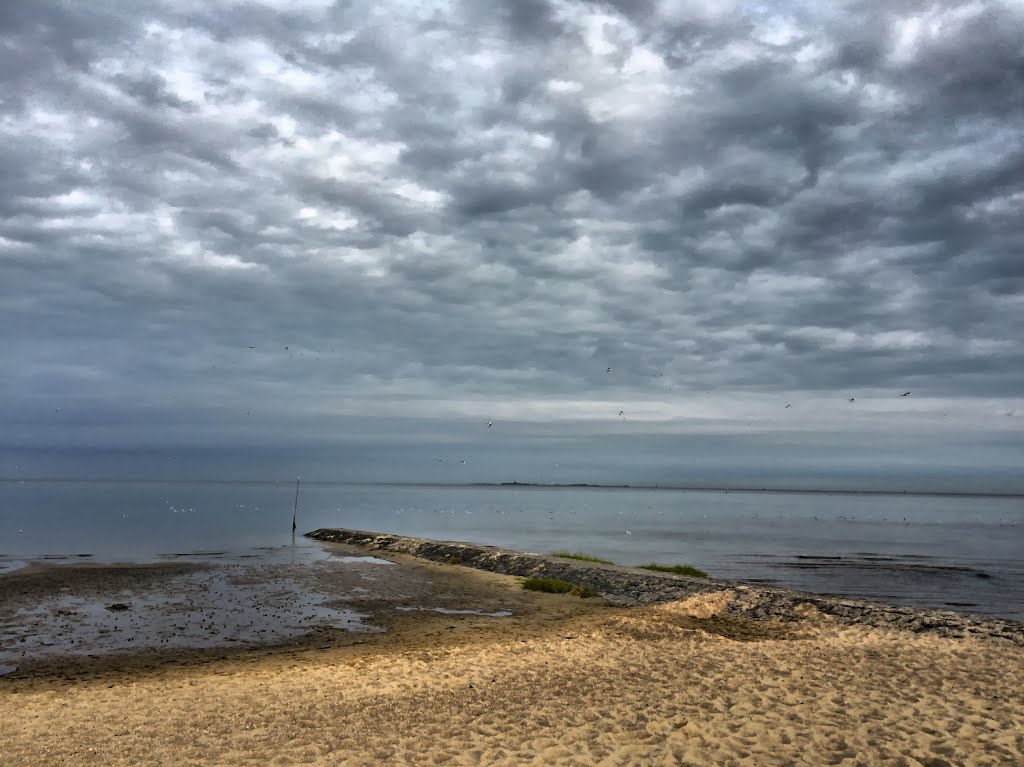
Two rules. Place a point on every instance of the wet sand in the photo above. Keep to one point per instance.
(560, 681)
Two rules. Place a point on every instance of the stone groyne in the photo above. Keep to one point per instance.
(630, 586)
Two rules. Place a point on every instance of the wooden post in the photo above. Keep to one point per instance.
(295, 508)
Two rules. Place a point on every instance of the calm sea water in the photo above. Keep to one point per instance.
(959, 552)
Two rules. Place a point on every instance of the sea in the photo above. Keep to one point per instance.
(956, 552)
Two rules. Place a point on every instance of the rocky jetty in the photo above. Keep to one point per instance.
(631, 586)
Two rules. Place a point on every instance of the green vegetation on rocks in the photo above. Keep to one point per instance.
(693, 572)
(582, 557)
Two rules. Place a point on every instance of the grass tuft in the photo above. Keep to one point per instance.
(555, 586)
(693, 572)
(582, 557)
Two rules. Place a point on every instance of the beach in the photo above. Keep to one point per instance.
(525, 678)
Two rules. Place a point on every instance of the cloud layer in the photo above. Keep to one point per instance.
(236, 213)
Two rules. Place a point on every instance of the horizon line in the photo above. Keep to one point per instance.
(518, 484)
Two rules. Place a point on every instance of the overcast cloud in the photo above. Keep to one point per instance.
(370, 224)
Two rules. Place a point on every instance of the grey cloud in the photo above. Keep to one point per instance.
(152, 91)
(482, 204)
(528, 22)
(70, 34)
(264, 132)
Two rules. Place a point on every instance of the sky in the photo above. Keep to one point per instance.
(651, 241)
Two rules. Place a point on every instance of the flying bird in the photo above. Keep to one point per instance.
(905, 394)
(622, 412)
(852, 399)
(609, 370)
(490, 424)
(788, 405)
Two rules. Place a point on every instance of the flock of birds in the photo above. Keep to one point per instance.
(621, 413)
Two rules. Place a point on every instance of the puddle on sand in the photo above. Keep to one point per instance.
(293, 554)
(361, 560)
(10, 565)
(446, 611)
(225, 607)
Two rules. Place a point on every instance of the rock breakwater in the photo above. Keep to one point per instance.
(630, 586)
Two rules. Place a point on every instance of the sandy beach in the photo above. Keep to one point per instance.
(561, 680)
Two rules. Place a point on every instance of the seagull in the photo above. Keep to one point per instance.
(621, 412)
(286, 348)
(788, 405)
(609, 370)
(490, 424)
(1010, 413)
(852, 399)
(252, 347)
(905, 394)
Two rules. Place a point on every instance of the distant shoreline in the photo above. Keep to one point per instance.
(509, 485)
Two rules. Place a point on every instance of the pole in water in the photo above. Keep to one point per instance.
(295, 508)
